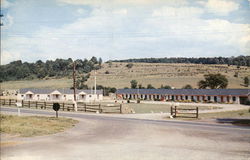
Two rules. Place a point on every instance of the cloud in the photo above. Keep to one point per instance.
(8, 56)
(128, 32)
(5, 4)
(124, 3)
(221, 7)
(174, 12)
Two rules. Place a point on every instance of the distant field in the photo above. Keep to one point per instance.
(52, 83)
(119, 76)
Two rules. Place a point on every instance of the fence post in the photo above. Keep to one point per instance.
(171, 110)
(9, 102)
(85, 107)
(3, 101)
(36, 104)
(22, 103)
(197, 112)
(120, 108)
(100, 110)
(29, 104)
(63, 106)
(44, 104)
(175, 111)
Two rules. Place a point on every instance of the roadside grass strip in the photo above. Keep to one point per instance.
(29, 126)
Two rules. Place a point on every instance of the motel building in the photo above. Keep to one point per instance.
(59, 95)
(236, 96)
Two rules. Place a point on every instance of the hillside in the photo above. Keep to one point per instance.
(157, 74)
(116, 74)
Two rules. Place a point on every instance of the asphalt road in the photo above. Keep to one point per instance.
(108, 137)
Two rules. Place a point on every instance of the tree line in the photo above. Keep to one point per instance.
(18, 70)
(239, 61)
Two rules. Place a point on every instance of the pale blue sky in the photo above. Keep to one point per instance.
(121, 29)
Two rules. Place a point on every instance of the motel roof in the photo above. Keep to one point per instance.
(62, 91)
(225, 92)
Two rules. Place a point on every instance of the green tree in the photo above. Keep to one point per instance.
(188, 86)
(246, 81)
(150, 86)
(213, 81)
(133, 84)
(166, 87)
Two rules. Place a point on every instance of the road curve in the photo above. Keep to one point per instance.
(172, 123)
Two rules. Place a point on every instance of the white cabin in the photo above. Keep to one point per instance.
(59, 95)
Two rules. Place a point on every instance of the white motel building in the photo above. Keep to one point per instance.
(59, 95)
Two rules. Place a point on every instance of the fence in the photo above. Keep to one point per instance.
(99, 108)
(184, 112)
(65, 106)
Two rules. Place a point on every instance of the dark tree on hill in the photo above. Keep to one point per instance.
(133, 84)
(213, 81)
(240, 60)
(149, 86)
(246, 81)
(165, 87)
(17, 70)
(188, 86)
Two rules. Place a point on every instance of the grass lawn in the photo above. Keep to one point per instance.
(157, 108)
(229, 114)
(27, 126)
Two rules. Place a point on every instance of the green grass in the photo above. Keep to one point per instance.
(157, 108)
(27, 126)
(229, 114)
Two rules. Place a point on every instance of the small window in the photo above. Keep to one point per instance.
(64, 95)
(209, 98)
(22, 95)
(38, 95)
(48, 95)
(90, 95)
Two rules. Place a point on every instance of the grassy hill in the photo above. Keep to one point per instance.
(119, 75)
(176, 75)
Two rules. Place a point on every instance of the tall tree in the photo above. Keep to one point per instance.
(150, 86)
(133, 84)
(246, 81)
(213, 81)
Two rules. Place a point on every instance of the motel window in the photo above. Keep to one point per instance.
(22, 95)
(64, 95)
(215, 98)
(56, 96)
(192, 98)
(90, 96)
(38, 95)
(48, 95)
(209, 98)
(186, 97)
(234, 98)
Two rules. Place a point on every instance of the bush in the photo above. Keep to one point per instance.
(130, 65)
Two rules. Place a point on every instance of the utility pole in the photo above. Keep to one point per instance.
(74, 85)
(95, 83)
(74, 80)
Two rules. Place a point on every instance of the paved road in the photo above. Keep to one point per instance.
(107, 137)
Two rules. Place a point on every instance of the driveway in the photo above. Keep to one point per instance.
(117, 138)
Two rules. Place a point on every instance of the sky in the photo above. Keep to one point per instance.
(121, 29)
